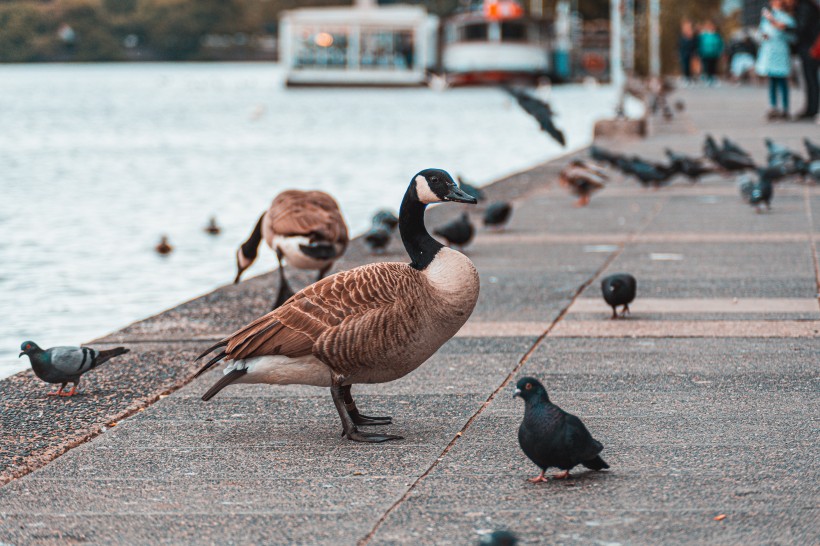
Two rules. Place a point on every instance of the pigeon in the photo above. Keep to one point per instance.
(65, 364)
(647, 172)
(605, 156)
(387, 218)
(164, 247)
(497, 214)
(812, 149)
(551, 437)
(540, 110)
(582, 179)
(498, 538)
(729, 146)
(458, 232)
(727, 159)
(212, 228)
(756, 192)
(619, 289)
(691, 167)
(469, 189)
(377, 238)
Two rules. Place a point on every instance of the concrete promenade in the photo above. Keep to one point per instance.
(707, 399)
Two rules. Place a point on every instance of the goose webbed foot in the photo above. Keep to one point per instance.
(348, 425)
(366, 420)
(359, 418)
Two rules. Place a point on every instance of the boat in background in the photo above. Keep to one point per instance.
(494, 42)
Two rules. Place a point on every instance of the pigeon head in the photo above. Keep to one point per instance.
(28, 347)
(436, 186)
(530, 388)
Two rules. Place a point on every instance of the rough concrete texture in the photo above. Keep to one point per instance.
(707, 408)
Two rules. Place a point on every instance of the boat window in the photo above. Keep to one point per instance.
(320, 48)
(474, 32)
(513, 32)
(386, 49)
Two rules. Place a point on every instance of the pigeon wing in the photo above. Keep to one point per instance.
(579, 441)
(72, 361)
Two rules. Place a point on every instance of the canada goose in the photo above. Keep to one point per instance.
(371, 324)
(65, 365)
(619, 289)
(497, 214)
(305, 228)
(582, 179)
(164, 247)
(458, 232)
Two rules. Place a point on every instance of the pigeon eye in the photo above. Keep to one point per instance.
(528, 386)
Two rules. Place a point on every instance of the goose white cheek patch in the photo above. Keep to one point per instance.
(424, 192)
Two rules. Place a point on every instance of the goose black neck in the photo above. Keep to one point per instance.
(421, 247)
(251, 246)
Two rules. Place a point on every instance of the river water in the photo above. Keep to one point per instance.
(98, 161)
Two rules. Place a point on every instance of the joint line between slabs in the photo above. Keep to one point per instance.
(611, 258)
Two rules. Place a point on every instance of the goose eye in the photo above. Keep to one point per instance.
(528, 386)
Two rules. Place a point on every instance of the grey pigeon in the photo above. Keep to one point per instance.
(551, 437)
(812, 149)
(619, 289)
(377, 238)
(387, 218)
(65, 364)
(757, 192)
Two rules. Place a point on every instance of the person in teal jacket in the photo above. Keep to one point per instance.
(774, 55)
(710, 46)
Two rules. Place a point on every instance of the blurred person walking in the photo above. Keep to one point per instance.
(807, 38)
(774, 55)
(710, 46)
(687, 49)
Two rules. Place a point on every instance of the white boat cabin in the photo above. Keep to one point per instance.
(360, 45)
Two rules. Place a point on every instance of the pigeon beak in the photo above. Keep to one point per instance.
(516, 392)
(458, 195)
(21, 354)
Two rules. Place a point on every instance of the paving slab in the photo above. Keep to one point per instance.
(706, 398)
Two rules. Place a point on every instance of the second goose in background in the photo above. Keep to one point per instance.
(305, 228)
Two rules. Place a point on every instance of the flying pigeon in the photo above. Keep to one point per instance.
(65, 364)
(551, 437)
(540, 110)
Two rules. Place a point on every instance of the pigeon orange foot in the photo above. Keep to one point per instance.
(561, 475)
(538, 479)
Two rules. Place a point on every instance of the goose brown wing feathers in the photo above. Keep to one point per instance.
(308, 213)
(346, 320)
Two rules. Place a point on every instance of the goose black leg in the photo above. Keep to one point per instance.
(358, 418)
(323, 272)
(285, 291)
(349, 426)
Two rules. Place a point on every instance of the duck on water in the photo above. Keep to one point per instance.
(371, 324)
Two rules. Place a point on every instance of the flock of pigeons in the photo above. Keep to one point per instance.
(754, 181)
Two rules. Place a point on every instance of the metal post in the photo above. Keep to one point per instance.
(616, 69)
(654, 38)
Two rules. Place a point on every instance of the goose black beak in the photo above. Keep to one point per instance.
(516, 392)
(457, 195)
